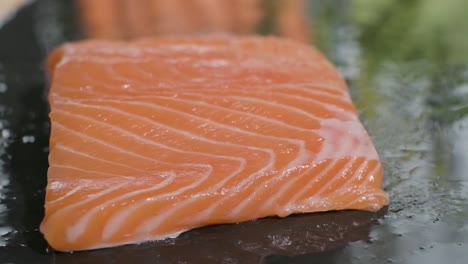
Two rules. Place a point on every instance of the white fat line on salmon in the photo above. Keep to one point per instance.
(115, 221)
(302, 161)
(271, 200)
(239, 86)
(312, 93)
(369, 179)
(341, 112)
(200, 103)
(70, 233)
(125, 151)
(345, 146)
(82, 221)
(149, 77)
(152, 223)
(141, 80)
(136, 51)
(179, 192)
(82, 184)
(370, 197)
(272, 89)
(283, 189)
(109, 69)
(214, 84)
(88, 171)
(200, 100)
(101, 100)
(97, 83)
(103, 47)
(269, 166)
(332, 130)
(279, 194)
(196, 48)
(326, 153)
(151, 142)
(276, 62)
(342, 173)
(135, 241)
(205, 213)
(203, 104)
(94, 158)
(73, 233)
(359, 152)
(227, 109)
(329, 89)
(162, 52)
(112, 75)
(314, 88)
(97, 59)
(241, 185)
(99, 48)
(308, 115)
(180, 60)
(289, 205)
(358, 175)
(299, 143)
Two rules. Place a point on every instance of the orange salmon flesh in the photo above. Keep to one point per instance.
(154, 137)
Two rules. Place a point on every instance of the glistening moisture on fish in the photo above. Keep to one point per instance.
(270, 131)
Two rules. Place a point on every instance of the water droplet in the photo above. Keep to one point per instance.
(6, 133)
(86, 88)
(4, 235)
(3, 88)
(28, 139)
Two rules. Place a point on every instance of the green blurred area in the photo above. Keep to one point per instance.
(413, 29)
(412, 48)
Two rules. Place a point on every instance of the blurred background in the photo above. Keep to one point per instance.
(129, 19)
(406, 62)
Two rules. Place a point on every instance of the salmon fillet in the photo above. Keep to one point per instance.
(154, 137)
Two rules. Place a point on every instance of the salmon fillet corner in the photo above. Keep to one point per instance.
(157, 136)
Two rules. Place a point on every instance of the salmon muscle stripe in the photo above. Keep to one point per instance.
(154, 137)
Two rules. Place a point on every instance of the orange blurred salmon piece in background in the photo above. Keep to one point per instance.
(131, 19)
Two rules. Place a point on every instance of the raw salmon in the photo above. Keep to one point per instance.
(154, 137)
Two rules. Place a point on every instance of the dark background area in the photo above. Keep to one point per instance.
(410, 86)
